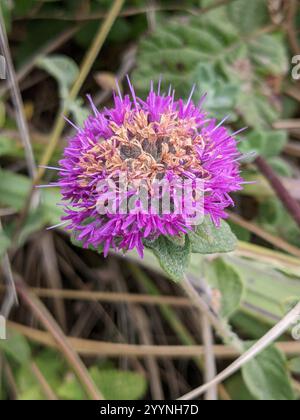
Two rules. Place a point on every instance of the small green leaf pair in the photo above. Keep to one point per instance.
(264, 379)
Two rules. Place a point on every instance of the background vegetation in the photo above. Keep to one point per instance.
(87, 327)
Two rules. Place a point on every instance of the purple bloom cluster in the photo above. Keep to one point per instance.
(151, 139)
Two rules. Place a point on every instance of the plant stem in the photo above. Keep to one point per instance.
(221, 328)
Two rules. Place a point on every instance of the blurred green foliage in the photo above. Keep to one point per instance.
(241, 61)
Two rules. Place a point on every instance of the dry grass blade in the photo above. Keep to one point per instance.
(151, 16)
(52, 274)
(272, 239)
(171, 317)
(93, 348)
(112, 297)
(17, 100)
(261, 345)
(11, 298)
(287, 125)
(209, 358)
(259, 253)
(66, 348)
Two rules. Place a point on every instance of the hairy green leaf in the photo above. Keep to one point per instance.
(62, 68)
(223, 277)
(267, 377)
(174, 259)
(16, 347)
(266, 143)
(294, 365)
(230, 59)
(208, 239)
(248, 15)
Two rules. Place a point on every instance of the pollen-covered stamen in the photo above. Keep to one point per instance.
(146, 150)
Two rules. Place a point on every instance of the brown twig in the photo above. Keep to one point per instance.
(283, 194)
(293, 149)
(292, 124)
(50, 264)
(169, 315)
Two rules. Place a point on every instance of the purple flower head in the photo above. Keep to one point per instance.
(143, 146)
